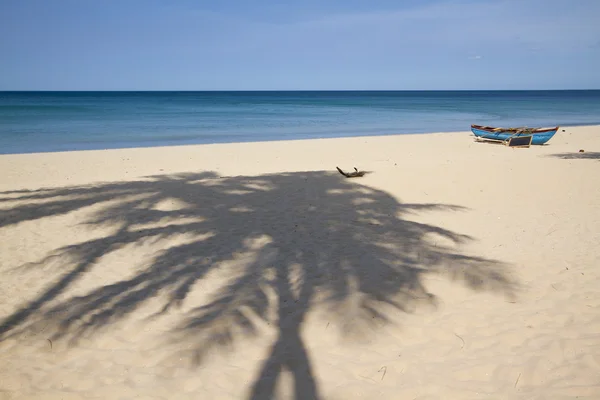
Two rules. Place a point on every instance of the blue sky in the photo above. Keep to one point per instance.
(299, 45)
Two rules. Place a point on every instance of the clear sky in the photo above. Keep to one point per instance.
(299, 44)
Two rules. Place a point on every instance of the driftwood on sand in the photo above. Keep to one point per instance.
(355, 174)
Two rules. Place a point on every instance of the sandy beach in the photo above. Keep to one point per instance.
(453, 270)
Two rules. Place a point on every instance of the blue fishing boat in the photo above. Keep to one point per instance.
(538, 135)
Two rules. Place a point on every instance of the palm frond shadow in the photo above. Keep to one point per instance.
(590, 155)
(291, 243)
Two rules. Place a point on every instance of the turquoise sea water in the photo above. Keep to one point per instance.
(59, 121)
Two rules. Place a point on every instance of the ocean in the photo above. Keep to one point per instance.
(65, 121)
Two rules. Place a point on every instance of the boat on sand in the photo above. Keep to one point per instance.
(538, 135)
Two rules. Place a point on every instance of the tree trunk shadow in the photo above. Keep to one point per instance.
(289, 351)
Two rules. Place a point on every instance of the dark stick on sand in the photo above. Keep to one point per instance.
(354, 174)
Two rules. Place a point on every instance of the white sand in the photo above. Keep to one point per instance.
(456, 270)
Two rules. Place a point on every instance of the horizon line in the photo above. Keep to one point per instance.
(299, 90)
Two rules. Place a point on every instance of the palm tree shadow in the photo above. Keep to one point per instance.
(287, 243)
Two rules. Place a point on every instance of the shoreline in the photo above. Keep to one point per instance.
(283, 141)
(251, 158)
(571, 126)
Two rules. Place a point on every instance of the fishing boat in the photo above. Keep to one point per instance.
(538, 135)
